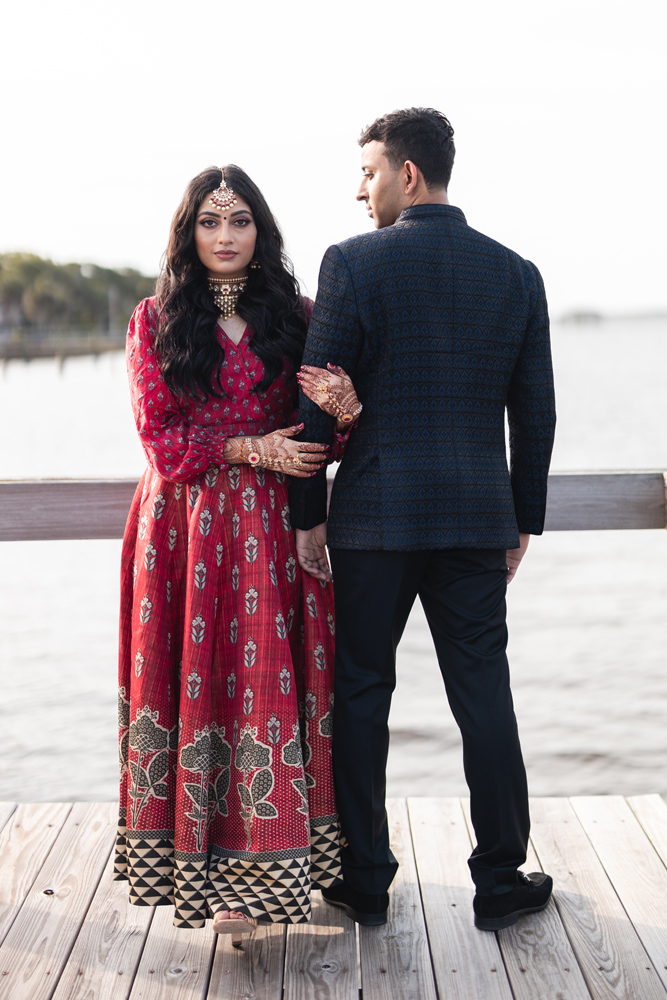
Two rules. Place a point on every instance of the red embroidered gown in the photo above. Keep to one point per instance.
(226, 662)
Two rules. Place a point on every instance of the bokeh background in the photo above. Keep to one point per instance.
(108, 110)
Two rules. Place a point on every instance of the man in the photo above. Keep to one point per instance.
(442, 330)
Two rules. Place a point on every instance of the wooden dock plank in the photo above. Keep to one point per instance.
(637, 873)
(175, 963)
(106, 954)
(6, 810)
(395, 959)
(255, 971)
(39, 941)
(604, 940)
(651, 811)
(467, 962)
(84, 942)
(25, 842)
(321, 957)
(537, 952)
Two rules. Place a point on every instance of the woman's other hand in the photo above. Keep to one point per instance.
(332, 390)
(278, 452)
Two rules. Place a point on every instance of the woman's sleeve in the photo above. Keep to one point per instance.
(174, 448)
(340, 443)
(307, 305)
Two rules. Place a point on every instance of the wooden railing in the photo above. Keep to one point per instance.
(71, 509)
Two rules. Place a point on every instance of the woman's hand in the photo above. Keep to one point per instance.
(278, 452)
(333, 392)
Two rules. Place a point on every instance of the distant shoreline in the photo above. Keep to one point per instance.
(583, 316)
(26, 345)
(60, 346)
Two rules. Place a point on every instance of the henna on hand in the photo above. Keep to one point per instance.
(279, 452)
(232, 451)
(333, 391)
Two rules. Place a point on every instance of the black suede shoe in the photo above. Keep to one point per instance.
(532, 893)
(369, 910)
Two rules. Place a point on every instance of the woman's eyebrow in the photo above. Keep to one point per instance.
(207, 212)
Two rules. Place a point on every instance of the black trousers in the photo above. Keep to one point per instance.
(463, 595)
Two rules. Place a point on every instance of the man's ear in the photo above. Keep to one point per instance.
(411, 176)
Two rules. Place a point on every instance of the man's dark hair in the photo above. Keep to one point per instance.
(421, 135)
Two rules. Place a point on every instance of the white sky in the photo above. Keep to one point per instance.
(558, 108)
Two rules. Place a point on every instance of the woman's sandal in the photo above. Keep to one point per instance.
(236, 925)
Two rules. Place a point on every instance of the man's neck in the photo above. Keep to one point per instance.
(426, 197)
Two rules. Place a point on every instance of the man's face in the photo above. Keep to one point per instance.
(381, 187)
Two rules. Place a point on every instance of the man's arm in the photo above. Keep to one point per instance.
(531, 414)
(334, 335)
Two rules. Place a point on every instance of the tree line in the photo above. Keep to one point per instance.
(36, 293)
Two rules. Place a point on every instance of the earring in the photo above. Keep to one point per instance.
(255, 265)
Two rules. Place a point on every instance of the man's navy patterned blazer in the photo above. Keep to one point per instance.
(442, 330)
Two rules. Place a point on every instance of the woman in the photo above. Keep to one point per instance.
(226, 651)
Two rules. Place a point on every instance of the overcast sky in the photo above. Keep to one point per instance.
(558, 110)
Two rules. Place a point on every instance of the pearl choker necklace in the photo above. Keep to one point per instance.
(226, 293)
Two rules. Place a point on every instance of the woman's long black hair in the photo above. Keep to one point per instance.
(189, 352)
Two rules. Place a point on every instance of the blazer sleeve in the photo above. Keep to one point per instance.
(335, 334)
(531, 413)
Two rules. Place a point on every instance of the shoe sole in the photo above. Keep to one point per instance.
(499, 923)
(365, 919)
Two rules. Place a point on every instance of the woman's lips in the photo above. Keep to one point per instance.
(226, 254)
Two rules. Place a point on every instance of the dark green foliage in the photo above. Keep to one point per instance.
(38, 293)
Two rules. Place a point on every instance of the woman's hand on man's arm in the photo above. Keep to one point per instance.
(332, 389)
(278, 451)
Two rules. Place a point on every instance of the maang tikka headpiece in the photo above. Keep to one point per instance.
(223, 197)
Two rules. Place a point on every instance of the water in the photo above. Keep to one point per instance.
(588, 632)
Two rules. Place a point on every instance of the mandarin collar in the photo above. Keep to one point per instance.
(429, 211)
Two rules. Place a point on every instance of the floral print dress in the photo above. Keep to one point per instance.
(226, 662)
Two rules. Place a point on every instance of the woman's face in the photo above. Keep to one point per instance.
(225, 239)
